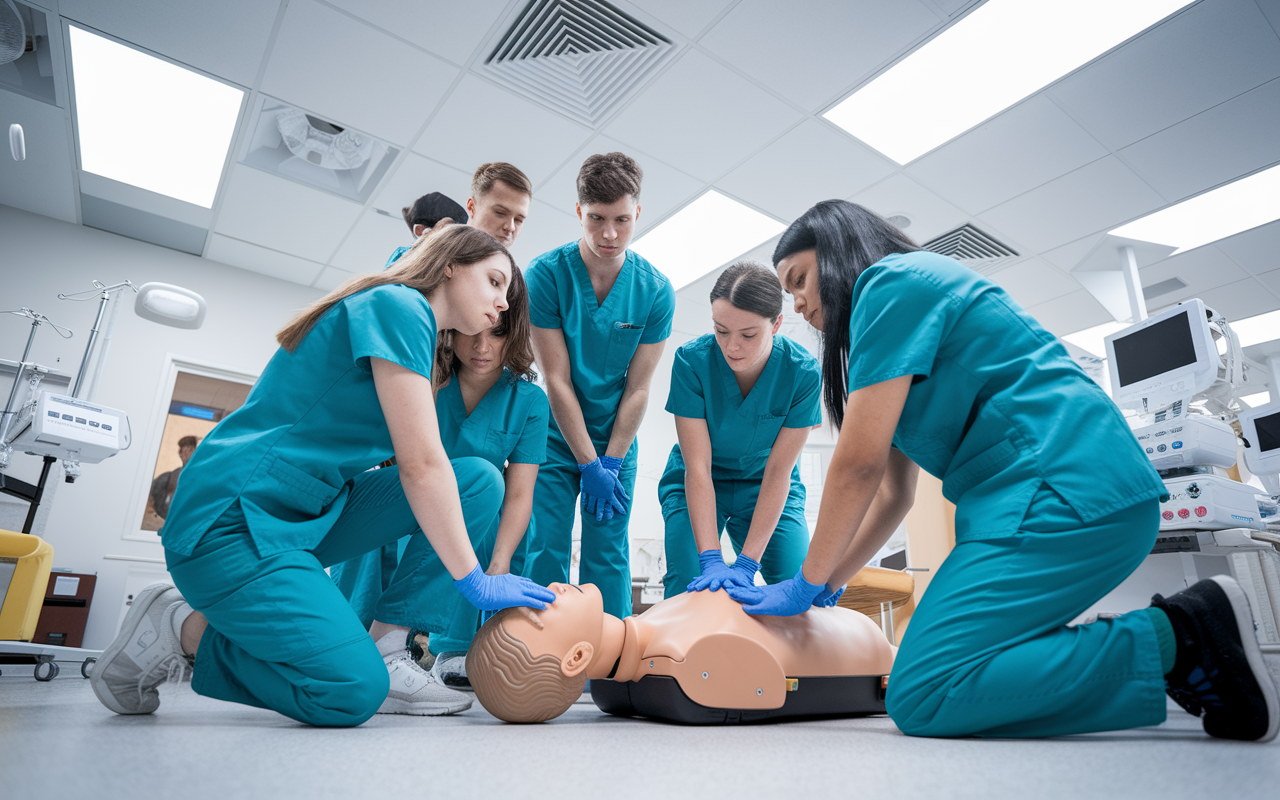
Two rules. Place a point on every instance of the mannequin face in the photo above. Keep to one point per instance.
(799, 275)
(745, 339)
(571, 627)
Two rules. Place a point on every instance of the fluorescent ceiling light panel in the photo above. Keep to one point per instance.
(149, 123)
(1225, 211)
(703, 236)
(1256, 400)
(1002, 52)
(1093, 340)
(1255, 330)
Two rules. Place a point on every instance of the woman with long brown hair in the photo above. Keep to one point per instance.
(282, 488)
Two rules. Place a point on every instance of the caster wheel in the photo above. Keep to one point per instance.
(46, 670)
(86, 667)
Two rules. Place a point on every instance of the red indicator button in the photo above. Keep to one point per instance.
(1184, 513)
(1201, 511)
(1167, 515)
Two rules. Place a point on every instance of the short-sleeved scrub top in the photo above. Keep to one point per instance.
(601, 337)
(311, 423)
(743, 429)
(997, 407)
(509, 424)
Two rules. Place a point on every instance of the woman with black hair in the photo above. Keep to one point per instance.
(931, 365)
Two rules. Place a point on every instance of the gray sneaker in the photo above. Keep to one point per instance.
(450, 670)
(414, 690)
(145, 654)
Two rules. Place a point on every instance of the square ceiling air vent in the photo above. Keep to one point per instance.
(979, 251)
(579, 57)
(31, 73)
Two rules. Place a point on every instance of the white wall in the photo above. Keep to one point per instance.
(41, 257)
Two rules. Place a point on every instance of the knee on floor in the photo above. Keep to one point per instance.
(348, 697)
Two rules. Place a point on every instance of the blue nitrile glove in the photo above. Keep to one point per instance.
(601, 491)
(784, 599)
(495, 592)
(827, 598)
(614, 465)
(718, 575)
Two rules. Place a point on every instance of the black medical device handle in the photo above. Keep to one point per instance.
(25, 491)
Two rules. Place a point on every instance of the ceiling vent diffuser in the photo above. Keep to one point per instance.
(977, 250)
(579, 57)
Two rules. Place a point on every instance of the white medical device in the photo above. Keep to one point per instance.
(1189, 441)
(67, 428)
(1164, 360)
(1209, 502)
(1260, 428)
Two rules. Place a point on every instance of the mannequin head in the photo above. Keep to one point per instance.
(530, 666)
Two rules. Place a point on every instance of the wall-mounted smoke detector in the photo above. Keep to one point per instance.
(308, 149)
(979, 251)
(579, 57)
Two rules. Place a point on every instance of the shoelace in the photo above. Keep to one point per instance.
(1196, 693)
(175, 664)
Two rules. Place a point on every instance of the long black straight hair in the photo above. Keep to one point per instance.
(846, 239)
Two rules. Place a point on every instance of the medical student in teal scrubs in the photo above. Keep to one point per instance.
(600, 315)
(744, 399)
(927, 364)
(282, 488)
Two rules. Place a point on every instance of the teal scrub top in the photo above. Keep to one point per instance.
(509, 424)
(395, 255)
(601, 338)
(311, 423)
(786, 395)
(996, 406)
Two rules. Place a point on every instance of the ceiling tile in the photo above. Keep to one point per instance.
(282, 215)
(1241, 300)
(44, 181)
(701, 118)
(811, 162)
(1256, 249)
(1211, 148)
(546, 229)
(1069, 255)
(1014, 152)
(813, 51)
(1272, 13)
(370, 243)
(227, 38)
(1035, 281)
(1070, 313)
(1271, 280)
(1202, 269)
(365, 87)
(240, 254)
(1202, 57)
(330, 278)
(480, 123)
(898, 194)
(417, 176)
(665, 188)
(1100, 195)
(450, 30)
(685, 17)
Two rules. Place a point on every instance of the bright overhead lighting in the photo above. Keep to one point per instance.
(703, 236)
(149, 123)
(1227, 210)
(1002, 52)
(1093, 340)
(1255, 330)
(1256, 400)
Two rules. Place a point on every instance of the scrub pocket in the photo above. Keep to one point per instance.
(624, 338)
(501, 443)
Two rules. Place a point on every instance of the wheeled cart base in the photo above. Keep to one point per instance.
(660, 697)
(47, 656)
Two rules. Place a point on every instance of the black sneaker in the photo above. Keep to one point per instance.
(1219, 672)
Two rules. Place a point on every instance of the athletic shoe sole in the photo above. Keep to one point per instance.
(1257, 663)
(392, 706)
(137, 610)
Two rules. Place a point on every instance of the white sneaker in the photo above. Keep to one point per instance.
(144, 654)
(450, 670)
(413, 689)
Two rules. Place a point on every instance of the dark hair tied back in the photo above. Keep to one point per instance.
(751, 287)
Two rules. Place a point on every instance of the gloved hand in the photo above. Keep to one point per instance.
(784, 599)
(718, 575)
(495, 592)
(614, 465)
(827, 598)
(602, 492)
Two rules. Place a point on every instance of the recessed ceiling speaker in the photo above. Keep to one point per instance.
(13, 33)
(899, 221)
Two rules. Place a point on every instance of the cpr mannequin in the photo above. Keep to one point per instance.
(694, 658)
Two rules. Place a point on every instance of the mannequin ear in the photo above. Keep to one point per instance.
(577, 659)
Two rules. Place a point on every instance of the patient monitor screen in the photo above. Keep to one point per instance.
(1162, 347)
(1268, 432)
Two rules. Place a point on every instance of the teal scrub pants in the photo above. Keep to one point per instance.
(605, 559)
(989, 653)
(735, 505)
(281, 635)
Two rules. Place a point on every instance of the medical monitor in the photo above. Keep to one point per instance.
(1261, 430)
(1161, 360)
